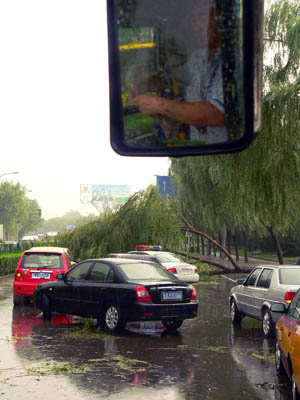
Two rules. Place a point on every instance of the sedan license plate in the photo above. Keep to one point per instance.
(185, 271)
(175, 295)
(41, 275)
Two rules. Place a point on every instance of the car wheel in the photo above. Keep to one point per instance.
(235, 315)
(278, 363)
(46, 308)
(267, 324)
(17, 300)
(172, 325)
(295, 392)
(113, 321)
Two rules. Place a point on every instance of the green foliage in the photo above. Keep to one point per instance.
(70, 218)
(8, 265)
(146, 218)
(203, 270)
(10, 255)
(258, 187)
(17, 212)
(32, 219)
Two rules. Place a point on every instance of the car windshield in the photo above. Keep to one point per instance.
(37, 260)
(167, 257)
(289, 276)
(144, 271)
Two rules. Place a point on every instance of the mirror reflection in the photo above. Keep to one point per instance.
(181, 81)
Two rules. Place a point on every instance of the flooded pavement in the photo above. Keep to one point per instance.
(71, 359)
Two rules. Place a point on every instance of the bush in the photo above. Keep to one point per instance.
(8, 265)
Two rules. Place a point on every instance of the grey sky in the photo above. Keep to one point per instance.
(54, 114)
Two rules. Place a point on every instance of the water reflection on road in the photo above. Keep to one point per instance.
(206, 359)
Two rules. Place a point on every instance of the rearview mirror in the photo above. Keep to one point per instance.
(185, 76)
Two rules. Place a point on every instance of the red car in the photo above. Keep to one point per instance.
(38, 265)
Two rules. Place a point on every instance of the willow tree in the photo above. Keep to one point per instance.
(146, 218)
(259, 186)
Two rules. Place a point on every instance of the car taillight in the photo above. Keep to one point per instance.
(194, 295)
(196, 270)
(173, 270)
(19, 276)
(289, 296)
(142, 294)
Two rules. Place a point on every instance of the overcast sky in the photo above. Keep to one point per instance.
(54, 106)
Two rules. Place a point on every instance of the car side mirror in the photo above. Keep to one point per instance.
(185, 76)
(239, 281)
(60, 276)
(279, 308)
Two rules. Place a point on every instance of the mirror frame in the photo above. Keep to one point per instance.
(252, 67)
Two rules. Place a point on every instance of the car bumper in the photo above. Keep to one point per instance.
(24, 288)
(193, 278)
(154, 312)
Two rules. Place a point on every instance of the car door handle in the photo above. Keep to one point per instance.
(289, 334)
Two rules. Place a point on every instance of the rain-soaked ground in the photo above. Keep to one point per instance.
(206, 359)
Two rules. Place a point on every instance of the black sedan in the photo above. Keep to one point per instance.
(116, 291)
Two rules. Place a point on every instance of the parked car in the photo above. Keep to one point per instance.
(36, 265)
(287, 347)
(265, 285)
(182, 270)
(118, 290)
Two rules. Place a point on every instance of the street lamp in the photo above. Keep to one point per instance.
(9, 173)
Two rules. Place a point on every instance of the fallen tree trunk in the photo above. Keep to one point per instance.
(224, 268)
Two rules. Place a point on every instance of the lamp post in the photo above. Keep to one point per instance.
(9, 173)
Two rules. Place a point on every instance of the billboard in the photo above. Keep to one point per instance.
(106, 196)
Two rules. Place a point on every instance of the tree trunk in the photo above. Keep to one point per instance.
(229, 241)
(203, 245)
(245, 234)
(198, 244)
(209, 249)
(223, 242)
(236, 245)
(275, 240)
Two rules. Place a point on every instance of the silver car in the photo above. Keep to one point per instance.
(265, 285)
(182, 270)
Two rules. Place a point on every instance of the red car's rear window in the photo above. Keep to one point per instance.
(38, 260)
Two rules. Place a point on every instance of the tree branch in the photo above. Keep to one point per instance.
(190, 228)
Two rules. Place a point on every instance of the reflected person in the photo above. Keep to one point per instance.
(203, 105)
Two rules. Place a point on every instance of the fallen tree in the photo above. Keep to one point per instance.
(227, 266)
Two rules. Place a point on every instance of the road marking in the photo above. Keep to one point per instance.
(226, 277)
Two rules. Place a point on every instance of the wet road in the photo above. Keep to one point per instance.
(207, 359)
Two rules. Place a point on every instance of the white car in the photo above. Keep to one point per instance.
(184, 271)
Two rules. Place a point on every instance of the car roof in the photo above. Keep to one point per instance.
(131, 256)
(120, 260)
(148, 252)
(47, 249)
(277, 266)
